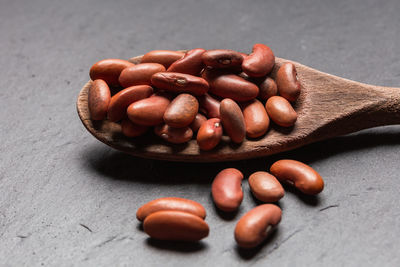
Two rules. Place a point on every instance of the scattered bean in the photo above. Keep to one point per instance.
(226, 189)
(265, 187)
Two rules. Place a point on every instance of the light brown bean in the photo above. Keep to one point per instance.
(265, 187)
(226, 189)
(130, 129)
(109, 70)
(139, 74)
(302, 176)
(180, 83)
(232, 120)
(254, 227)
(174, 135)
(98, 99)
(163, 57)
(222, 58)
(260, 62)
(120, 101)
(171, 203)
(210, 134)
(148, 111)
(281, 111)
(197, 122)
(209, 105)
(255, 117)
(181, 111)
(288, 85)
(175, 226)
(191, 63)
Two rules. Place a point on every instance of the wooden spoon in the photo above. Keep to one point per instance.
(328, 106)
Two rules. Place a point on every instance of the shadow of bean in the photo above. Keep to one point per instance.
(179, 246)
(250, 253)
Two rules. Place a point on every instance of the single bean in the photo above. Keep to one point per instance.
(254, 227)
(260, 62)
(139, 74)
(191, 63)
(265, 187)
(175, 226)
(232, 120)
(302, 176)
(181, 111)
(288, 85)
(280, 111)
(163, 57)
(210, 134)
(171, 203)
(226, 189)
(109, 70)
(120, 101)
(267, 88)
(231, 86)
(174, 135)
(148, 111)
(222, 58)
(98, 99)
(130, 129)
(197, 122)
(255, 117)
(180, 83)
(209, 105)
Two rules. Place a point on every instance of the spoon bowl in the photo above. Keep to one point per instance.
(328, 106)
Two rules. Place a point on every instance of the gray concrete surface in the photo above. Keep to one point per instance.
(68, 200)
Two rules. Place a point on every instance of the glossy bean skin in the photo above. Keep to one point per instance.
(171, 203)
(265, 187)
(139, 74)
(99, 99)
(180, 83)
(222, 58)
(174, 135)
(268, 88)
(232, 120)
(197, 122)
(181, 111)
(148, 111)
(175, 226)
(281, 111)
(253, 228)
(120, 101)
(191, 63)
(163, 57)
(226, 189)
(109, 70)
(210, 134)
(260, 62)
(302, 176)
(129, 129)
(209, 105)
(255, 117)
(228, 85)
(286, 80)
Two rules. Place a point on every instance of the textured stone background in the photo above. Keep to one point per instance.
(67, 199)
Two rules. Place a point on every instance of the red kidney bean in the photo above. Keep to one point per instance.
(180, 83)
(197, 122)
(255, 117)
(222, 58)
(280, 111)
(174, 135)
(181, 111)
(130, 129)
(226, 189)
(175, 226)
(231, 86)
(288, 85)
(171, 203)
(209, 105)
(120, 101)
(191, 63)
(302, 176)
(254, 227)
(98, 99)
(163, 57)
(265, 187)
(232, 120)
(210, 134)
(139, 74)
(109, 70)
(260, 62)
(148, 111)
(267, 88)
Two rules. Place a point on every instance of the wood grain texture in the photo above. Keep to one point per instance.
(328, 106)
